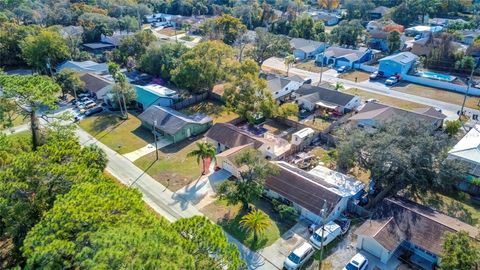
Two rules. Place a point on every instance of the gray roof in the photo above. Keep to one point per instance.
(98, 45)
(305, 45)
(382, 112)
(296, 78)
(314, 94)
(169, 120)
(94, 83)
(380, 10)
(401, 58)
(277, 84)
(232, 136)
(84, 66)
(350, 54)
(325, 16)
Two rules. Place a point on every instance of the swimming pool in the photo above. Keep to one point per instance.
(437, 76)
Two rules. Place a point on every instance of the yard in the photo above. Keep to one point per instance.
(123, 136)
(438, 94)
(400, 103)
(229, 217)
(360, 75)
(310, 66)
(317, 123)
(214, 109)
(170, 32)
(173, 169)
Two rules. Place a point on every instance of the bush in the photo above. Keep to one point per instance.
(452, 127)
(285, 211)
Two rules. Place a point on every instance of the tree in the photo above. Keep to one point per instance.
(452, 127)
(247, 188)
(203, 66)
(287, 109)
(255, 222)
(466, 63)
(205, 152)
(226, 28)
(122, 90)
(460, 252)
(400, 155)
(73, 37)
(69, 82)
(268, 45)
(404, 13)
(28, 93)
(347, 32)
(329, 4)
(339, 86)
(128, 24)
(424, 7)
(10, 35)
(394, 41)
(358, 9)
(161, 61)
(133, 46)
(95, 25)
(289, 61)
(44, 50)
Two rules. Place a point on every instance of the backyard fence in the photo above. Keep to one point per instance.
(194, 99)
(440, 84)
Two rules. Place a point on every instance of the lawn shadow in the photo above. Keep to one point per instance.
(143, 172)
(104, 121)
(144, 134)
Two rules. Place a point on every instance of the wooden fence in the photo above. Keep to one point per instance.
(190, 101)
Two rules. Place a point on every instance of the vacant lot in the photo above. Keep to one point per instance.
(216, 110)
(123, 136)
(438, 94)
(170, 32)
(400, 103)
(310, 66)
(360, 75)
(228, 216)
(173, 169)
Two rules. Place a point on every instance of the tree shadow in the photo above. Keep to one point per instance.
(144, 134)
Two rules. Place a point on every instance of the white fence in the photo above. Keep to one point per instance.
(443, 85)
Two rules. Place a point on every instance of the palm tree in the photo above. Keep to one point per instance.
(205, 152)
(256, 222)
(289, 60)
(339, 86)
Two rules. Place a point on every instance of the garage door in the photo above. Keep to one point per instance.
(226, 165)
(372, 247)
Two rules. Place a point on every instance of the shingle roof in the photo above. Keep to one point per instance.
(381, 112)
(277, 84)
(84, 66)
(169, 120)
(401, 58)
(231, 136)
(398, 219)
(94, 83)
(338, 52)
(315, 93)
(305, 45)
(302, 188)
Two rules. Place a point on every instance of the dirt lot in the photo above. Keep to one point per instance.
(438, 94)
(310, 66)
(360, 75)
(404, 104)
(170, 32)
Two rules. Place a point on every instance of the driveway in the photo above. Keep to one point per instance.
(147, 149)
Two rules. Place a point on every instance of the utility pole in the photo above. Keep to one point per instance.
(154, 130)
(323, 212)
(323, 58)
(470, 79)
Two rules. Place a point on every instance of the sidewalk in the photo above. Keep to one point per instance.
(147, 149)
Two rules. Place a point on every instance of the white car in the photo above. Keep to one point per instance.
(392, 80)
(358, 262)
(297, 258)
(331, 231)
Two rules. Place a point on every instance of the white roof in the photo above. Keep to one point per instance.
(346, 185)
(329, 228)
(159, 90)
(300, 251)
(468, 148)
(304, 133)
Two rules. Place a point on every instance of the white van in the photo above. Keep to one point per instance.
(297, 258)
(331, 231)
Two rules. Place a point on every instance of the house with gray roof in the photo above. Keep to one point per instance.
(328, 19)
(174, 125)
(84, 67)
(340, 56)
(305, 48)
(378, 12)
(96, 85)
(282, 87)
(398, 64)
(311, 97)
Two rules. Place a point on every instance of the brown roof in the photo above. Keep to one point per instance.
(219, 89)
(302, 188)
(396, 220)
(232, 136)
(232, 153)
(94, 83)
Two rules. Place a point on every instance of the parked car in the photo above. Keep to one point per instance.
(358, 262)
(371, 100)
(87, 105)
(392, 80)
(342, 69)
(84, 95)
(331, 231)
(94, 111)
(377, 75)
(302, 114)
(297, 258)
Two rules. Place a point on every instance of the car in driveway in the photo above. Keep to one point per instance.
(331, 230)
(358, 262)
(342, 69)
(298, 257)
(392, 80)
(377, 75)
(94, 111)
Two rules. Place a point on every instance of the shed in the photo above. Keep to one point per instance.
(302, 135)
(155, 94)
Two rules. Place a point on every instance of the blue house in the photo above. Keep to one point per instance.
(154, 94)
(339, 56)
(305, 48)
(400, 63)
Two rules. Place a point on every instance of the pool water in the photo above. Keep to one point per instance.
(437, 76)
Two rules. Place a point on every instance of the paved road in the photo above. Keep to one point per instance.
(449, 109)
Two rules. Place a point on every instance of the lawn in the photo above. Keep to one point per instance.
(170, 32)
(123, 136)
(229, 217)
(214, 109)
(360, 75)
(172, 164)
(438, 94)
(310, 66)
(275, 127)
(187, 38)
(17, 120)
(400, 103)
(318, 123)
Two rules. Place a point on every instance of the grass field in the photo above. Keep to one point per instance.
(400, 103)
(123, 136)
(173, 164)
(360, 75)
(310, 66)
(438, 94)
(216, 110)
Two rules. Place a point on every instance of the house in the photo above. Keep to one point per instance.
(227, 159)
(468, 151)
(339, 56)
(98, 48)
(378, 40)
(310, 192)
(154, 94)
(116, 38)
(468, 37)
(174, 125)
(305, 48)
(225, 136)
(423, 30)
(374, 114)
(399, 226)
(84, 67)
(424, 46)
(282, 87)
(95, 85)
(400, 63)
(327, 18)
(378, 12)
(311, 97)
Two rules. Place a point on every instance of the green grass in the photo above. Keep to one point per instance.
(173, 164)
(123, 136)
(214, 109)
(228, 216)
(187, 38)
(17, 120)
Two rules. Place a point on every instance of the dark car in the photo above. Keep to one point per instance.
(94, 111)
(302, 114)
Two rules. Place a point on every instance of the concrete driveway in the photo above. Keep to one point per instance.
(147, 149)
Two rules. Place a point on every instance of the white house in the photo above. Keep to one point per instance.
(302, 135)
(282, 87)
